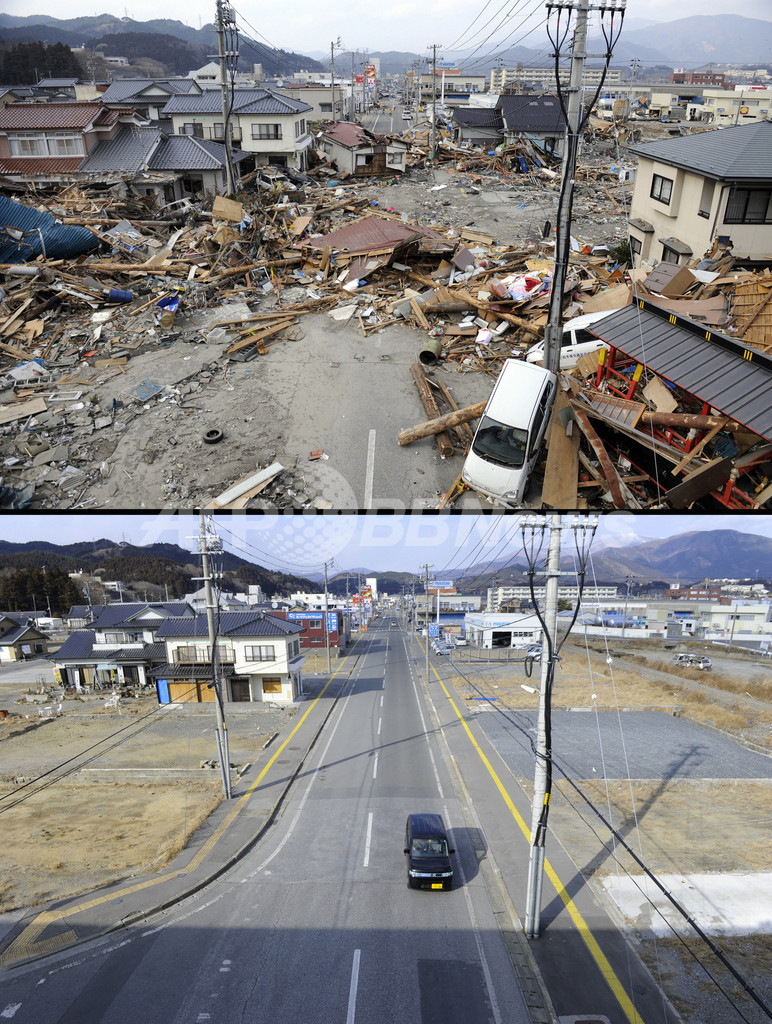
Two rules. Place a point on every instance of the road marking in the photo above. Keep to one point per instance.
(375, 767)
(368, 838)
(352, 992)
(29, 943)
(379, 726)
(581, 925)
(370, 470)
(12, 1008)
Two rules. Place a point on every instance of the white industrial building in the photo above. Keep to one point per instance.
(486, 630)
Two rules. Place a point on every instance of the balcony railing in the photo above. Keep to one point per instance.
(202, 655)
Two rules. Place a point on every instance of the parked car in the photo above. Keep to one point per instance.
(533, 651)
(461, 641)
(407, 115)
(428, 853)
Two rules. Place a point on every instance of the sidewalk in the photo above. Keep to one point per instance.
(226, 835)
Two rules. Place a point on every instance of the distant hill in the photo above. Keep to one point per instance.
(93, 29)
(691, 41)
(156, 564)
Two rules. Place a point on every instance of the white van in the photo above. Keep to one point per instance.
(510, 433)
(577, 340)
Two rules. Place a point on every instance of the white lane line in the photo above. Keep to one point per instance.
(375, 767)
(379, 726)
(352, 992)
(12, 1008)
(369, 472)
(381, 700)
(368, 838)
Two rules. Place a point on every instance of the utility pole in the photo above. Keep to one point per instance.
(434, 100)
(352, 107)
(221, 731)
(332, 77)
(426, 568)
(543, 754)
(573, 114)
(225, 18)
(326, 623)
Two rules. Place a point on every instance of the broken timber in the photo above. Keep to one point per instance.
(435, 426)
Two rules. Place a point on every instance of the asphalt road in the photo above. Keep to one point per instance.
(317, 922)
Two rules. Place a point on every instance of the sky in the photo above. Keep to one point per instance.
(402, 25)
(301, 544)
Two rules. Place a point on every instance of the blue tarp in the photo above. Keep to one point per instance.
(40, 235)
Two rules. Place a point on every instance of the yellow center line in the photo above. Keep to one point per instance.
(26, 942)
(581, 925)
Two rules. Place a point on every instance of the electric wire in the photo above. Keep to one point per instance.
(138, 724)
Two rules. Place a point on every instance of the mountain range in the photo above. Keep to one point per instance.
(693, 41)
(687, 558)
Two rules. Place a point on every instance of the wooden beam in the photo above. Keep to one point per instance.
(450, 419)
(431, 408)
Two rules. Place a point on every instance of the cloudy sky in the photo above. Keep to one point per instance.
(403, 25)
(301, 544)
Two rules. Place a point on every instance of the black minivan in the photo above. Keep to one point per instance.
(428, 855)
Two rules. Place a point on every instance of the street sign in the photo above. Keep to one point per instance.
(441, 584)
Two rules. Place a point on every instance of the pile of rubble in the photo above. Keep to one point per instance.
(239, 275)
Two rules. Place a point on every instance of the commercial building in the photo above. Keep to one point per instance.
(498, 596)
(487, 630)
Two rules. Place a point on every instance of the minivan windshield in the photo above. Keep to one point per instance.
(429, 848)
(499, 443)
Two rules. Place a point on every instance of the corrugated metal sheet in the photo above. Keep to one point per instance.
(372, 234)
(713, 367)
(42, 235)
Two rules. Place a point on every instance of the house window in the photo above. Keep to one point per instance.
(706, 199)
(749, 206)
(272, 684)
(300, 128)
(56, 144)
(266, 652)
(326, 108)
(218, 131)
(192, 128)
(661, 189)
(396, 158)
(635, 246)
(266, 131)
(669, 255)
(65, 144)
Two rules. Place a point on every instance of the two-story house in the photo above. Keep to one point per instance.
(119, 649)
(697, 191)
(271, 127)
(148, 96)
(47, 142)
(20, 638)
(539, 117)
(259, 659)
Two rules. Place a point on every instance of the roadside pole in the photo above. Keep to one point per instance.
(543, 753)
(221, 730)
(326, 623)
(225, 14)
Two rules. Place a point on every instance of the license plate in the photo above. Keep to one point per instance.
(436, 885)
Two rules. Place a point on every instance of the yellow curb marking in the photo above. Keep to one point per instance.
(595, 951)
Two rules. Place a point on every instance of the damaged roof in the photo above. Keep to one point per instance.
(725, 373)
(40, 235)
